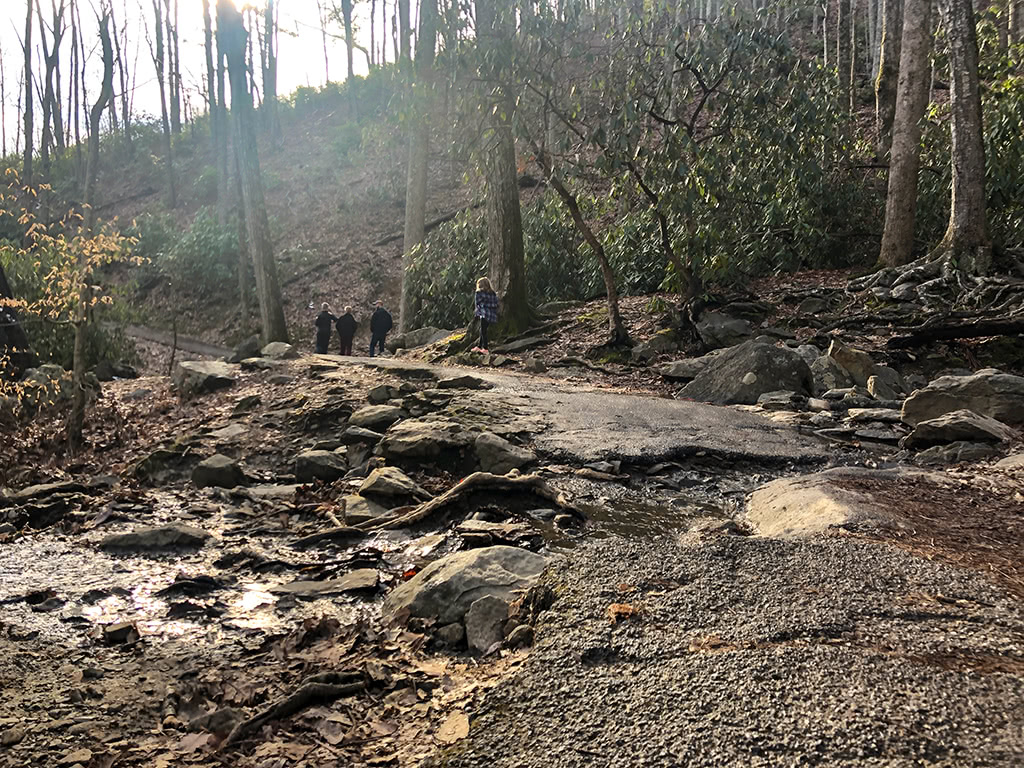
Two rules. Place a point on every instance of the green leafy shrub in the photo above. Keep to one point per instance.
(201, 260)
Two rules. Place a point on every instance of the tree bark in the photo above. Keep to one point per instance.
(346, 19)
(404, 33)
(844, 57)
(911, 101)
(419, 149)
(967, 235)
(373, 34)
(1015, 23)
(268, 289)
(158, 61)
(173, 65)
(888, 73)
(122, 76)
(270, 106)
(26, 168)
(505, 251)
(221, 150)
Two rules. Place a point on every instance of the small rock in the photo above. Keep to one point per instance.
(451, 635)
(520, 637)
(248, 348)
(159, 537)
(360, 510)
(138, 394)
(783, 400)
(123, 632)
(381, 394)
(280, 350)
(463, 382)
(320, 465)
(246, 405)
(355, 435)
(354, 581)
(12, 736)
(427, 438)
(229, 433)
(829, 375)
(498, 456)
(956, 453)
(218, 471)
(661, 343)
(534, 365)
(865, 415)
(857, 363)
(6, 528)
(391, 481)
(880, 390)
(376, 417)
(280, 379)
(485, 622)
(718, 330)
(218, 721)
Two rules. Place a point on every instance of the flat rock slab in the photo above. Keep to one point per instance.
(159, 537)
(358, 580)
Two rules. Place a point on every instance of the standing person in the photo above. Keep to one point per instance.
(380, 324)
(324, 322)
(486, 310)
(347, 326)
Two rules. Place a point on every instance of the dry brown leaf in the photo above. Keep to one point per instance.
(621, 611)
(454, 729)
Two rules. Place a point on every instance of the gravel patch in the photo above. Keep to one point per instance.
(750, 651)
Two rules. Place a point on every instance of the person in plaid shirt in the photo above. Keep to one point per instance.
(486, 309)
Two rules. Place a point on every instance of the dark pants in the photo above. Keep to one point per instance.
(483, 333)
(346, 345)
(322, 340)
(377, 340)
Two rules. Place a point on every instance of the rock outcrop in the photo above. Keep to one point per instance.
(742, 374)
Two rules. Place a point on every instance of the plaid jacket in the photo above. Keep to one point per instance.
(487, 306)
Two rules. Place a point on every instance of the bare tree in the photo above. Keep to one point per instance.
(324, 16)
(419, 149)
(888, 72)
(844, 55)
(233, 38)
(404, 32)
(3, 107)
(967, 234)
(157, 51)
(122, 74)
(268, 60)
(911, 102)
(173, 63)
(26, 169)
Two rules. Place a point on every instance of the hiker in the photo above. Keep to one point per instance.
(380, 324)
(324, 322)
(346, 330)
(486, 310)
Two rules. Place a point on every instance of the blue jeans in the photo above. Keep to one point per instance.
(377, 340)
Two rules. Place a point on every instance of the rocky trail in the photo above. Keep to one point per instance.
(313, 561)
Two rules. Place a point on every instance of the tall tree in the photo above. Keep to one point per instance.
(122, 74)
(26, 168)
(844, 53)
(221, 152)
(157, 52)
(888, 72)
(404, 32)
(3, 107)
(323, 16)
(346, 21)
(173, 63)
(233, 37)
(268, 60)
(419, 149)
(505, 253)
(967, 234)
(905, 157)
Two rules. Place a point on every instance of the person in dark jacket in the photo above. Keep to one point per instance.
(324, 322)
(380, 324)
(486, 309)
(347, 326)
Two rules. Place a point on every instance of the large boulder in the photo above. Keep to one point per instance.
(424, 439)
(960, 452)
(742, 374)
(376, 417)
(197, 377)
(828, 375)
(320, 465)
(420, 337)
(988, 392)
(717, 330)
(958, 426)
(218, 471)
(498, 455)
(280, 350)
(391, 482)
(446, 588)
(247, 349)
(661, 343)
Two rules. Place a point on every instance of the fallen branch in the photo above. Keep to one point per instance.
(434, 223)
(319, 689)
(333, 534)
(478, 481)
(926, 333)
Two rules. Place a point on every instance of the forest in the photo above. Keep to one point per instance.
(670, 299)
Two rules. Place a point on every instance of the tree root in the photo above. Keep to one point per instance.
(316, 690)
(478, 481)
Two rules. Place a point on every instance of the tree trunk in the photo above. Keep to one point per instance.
(373, 34)
(844, 57)
(211, 77)
(323, 34)
(1015, 23)
(419, 149)
(3, 108)
(270, 106)
(76, 419)
(122, 76)
(504, 218)
(911, 102)
(888, 73)
(404, 33)
(158, 61)
(26, 168)
(346, 18)
(967, 235)
(173, 65)
(268, 289)
(221, 151)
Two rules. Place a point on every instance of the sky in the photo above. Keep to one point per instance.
(300, 44)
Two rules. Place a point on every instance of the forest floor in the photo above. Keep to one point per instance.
(676, 637)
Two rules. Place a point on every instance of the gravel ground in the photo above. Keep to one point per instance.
(751, 652)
